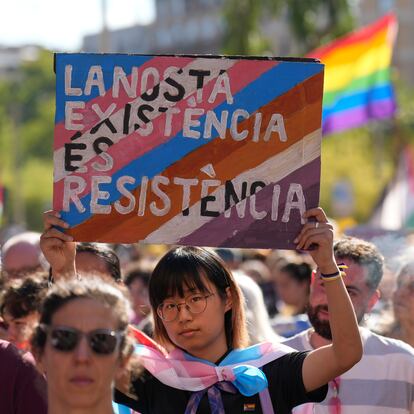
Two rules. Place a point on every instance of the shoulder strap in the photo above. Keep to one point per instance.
(266, 402)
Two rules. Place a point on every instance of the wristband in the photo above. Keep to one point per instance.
(337, 274)
(333, 276)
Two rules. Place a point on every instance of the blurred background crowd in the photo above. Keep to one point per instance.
(275, 284)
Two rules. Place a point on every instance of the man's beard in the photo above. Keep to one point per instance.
(322, 327)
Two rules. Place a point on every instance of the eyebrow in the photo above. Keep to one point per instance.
(353, 288)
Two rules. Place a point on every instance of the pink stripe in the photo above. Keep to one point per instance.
(243, 73)
(62, 136)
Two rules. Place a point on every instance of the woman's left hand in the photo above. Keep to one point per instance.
(316, 237)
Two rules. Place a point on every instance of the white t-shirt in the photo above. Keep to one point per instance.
(381, 383)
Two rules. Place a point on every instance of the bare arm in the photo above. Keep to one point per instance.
(325, 363)
(58, 247)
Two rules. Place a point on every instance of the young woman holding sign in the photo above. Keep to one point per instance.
(199, 320)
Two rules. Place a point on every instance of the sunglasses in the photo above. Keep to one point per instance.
(100, 341)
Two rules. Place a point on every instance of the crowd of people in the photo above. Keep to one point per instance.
(92, 328)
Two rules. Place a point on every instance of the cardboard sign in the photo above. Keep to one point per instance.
(191, 150)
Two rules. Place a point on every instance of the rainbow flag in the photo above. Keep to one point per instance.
(357, 76)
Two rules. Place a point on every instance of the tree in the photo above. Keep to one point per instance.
(26, 136)
(312, 22)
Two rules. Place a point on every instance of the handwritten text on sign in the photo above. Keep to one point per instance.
(189, 150)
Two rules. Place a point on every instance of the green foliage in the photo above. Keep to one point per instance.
(26, 136)
(362, 157)
(242, 26)
(312, 23)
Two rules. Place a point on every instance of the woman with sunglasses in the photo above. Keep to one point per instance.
(205, 366)
(81, 344)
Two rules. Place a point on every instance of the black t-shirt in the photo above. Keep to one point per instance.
(286, 389)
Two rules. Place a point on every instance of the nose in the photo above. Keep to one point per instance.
(184, 315)
(82, 352)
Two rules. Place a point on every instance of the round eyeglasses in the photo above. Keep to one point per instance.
(168, 310)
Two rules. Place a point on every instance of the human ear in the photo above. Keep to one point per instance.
(373, 300)
(229, 300)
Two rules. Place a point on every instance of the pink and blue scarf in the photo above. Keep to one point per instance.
(239, 371)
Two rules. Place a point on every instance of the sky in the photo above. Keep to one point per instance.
(61, 24)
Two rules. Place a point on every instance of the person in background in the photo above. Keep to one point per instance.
(22, 387)
(383, 381)
(293, 286)
(403, 305)
(292, 283)
(98, 258)
(21, 255)
(20, 307)
(90, 258)
(257, 318)
(260, 273)
(82, 345)
(137, 281)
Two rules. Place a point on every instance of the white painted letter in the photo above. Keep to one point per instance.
(129, 88)
(275, 202)
(120, 186)
(143, 196)
(97, 194)
(95, 79)
(69, 91)
(189, 122)
(220, 126)
(238, 136)
(294, 190)
(71, 116)
(187, 183)
(168, 120)
(156, 181)
(72, 194)
(222, 85)
(276, 124)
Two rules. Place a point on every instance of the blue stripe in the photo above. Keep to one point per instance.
(362, 98)
(120, 409)
(251, 353)
(81, 62)
(284, 77)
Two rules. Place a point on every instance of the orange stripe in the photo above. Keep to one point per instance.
(301, 110)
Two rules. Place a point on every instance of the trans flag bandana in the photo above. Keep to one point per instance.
(239, 371)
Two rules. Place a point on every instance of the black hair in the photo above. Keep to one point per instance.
(137, 272)
(22, 297)
(104, 252)
(300, 272)
(189, 267)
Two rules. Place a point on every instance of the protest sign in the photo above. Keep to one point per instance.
(192, 150)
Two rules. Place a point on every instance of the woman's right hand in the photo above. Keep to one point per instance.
(58, 248)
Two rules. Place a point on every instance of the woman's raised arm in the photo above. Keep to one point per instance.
(58, 247)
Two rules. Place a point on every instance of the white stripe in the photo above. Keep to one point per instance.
(271, 171)
(391, 367)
